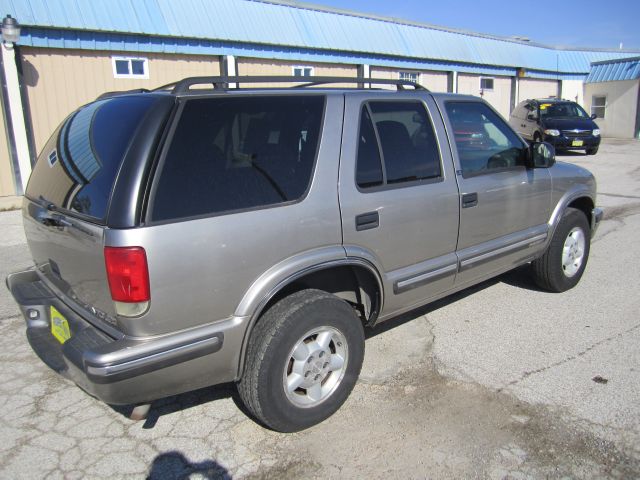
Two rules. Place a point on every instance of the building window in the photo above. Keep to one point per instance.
(302, 71)
(130, 67)
(598, 105)
(410, 76)
(486, 84)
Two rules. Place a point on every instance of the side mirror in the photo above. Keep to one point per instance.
(542, 154)
(594, 116)
(531, 116)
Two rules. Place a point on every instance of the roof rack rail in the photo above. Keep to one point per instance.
(117, 93)
(231, 83)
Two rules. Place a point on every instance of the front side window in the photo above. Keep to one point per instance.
(598, 105)
(230, 154)
(484, 142)
(397, 144)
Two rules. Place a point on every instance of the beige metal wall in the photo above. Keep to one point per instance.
(536, 88)
(573, 90)
(621, 106)
(259, 66)
(499, 98)
(7, 185)
(59, 81)
(434, 81)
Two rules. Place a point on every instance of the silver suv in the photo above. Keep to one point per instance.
(191, 236)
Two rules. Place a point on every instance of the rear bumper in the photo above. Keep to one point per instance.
(124, 370)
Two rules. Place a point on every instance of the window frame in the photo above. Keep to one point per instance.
(603, 107)
(409, 72)
(493, 84)
(393, 186)
(158, 167)
(303, 68)
(120, 58)
(452, 140)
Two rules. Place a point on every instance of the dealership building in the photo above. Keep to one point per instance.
(70, 51)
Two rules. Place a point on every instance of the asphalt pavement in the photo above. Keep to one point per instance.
(499, 381)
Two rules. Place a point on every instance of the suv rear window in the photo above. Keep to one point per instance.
(230, 154)
(78, 166)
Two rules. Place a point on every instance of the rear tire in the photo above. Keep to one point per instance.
(303, 359)
(563, 263)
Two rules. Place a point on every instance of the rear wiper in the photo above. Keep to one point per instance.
(48, 204)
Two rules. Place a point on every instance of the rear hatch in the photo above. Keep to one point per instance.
(67, 202)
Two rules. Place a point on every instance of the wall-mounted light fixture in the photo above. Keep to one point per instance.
(10, 30)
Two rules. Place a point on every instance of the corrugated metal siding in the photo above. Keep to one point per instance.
(276, 26)
(59, 81)
(615, 71)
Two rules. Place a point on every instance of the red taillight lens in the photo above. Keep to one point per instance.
(128, 274)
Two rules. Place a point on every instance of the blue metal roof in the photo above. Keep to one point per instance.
(613, 70)
(268, 29)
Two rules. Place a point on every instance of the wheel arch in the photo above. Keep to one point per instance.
(355, 280)
(579, 199)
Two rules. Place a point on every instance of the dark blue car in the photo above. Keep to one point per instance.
(562, 123)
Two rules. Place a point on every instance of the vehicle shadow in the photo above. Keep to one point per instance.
(177, 403)
(518, 278)
(571, 153)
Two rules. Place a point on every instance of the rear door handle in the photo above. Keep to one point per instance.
(469, 200)
(367, 221)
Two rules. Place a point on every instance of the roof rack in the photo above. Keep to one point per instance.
(231, 83)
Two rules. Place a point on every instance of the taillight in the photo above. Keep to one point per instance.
(128, 275)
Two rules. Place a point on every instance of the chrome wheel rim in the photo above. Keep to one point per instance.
(573, 252)
(315, 366)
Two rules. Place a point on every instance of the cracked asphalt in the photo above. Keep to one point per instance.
(500, 381)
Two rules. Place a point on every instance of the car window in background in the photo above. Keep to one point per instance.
(484, 141)
(567, 110)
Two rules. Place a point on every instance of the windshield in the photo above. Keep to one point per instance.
(566, 110)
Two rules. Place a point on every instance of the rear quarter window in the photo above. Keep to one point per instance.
(78, 166)
(231, 154)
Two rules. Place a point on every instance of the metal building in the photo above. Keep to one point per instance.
(70, 51)
(612, 92)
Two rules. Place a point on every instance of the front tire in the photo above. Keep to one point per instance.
(562, 265)
(592, 151)
(303, 359)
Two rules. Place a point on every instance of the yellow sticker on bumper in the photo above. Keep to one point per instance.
(59, 326)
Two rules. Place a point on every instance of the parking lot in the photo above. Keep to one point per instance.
(499, 381)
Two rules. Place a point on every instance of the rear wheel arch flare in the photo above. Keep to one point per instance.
(355, 281)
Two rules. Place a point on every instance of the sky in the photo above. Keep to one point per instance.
(586, 23)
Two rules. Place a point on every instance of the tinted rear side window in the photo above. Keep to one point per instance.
(230, 154)
(77, 168)
(408, 142)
